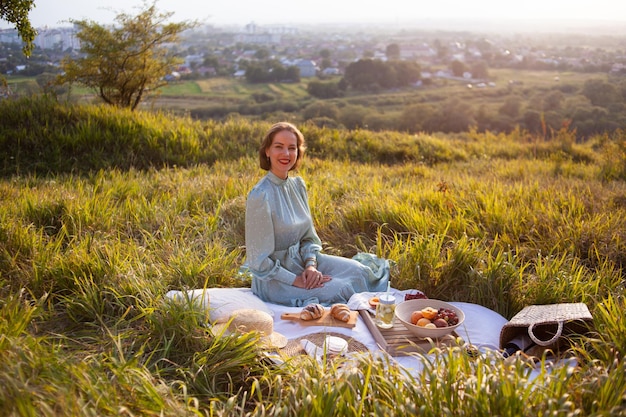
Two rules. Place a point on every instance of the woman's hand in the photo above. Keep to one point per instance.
(311, 278)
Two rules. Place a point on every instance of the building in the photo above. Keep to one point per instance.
(307, 68)
(62, 38)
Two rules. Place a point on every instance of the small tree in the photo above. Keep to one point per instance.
(393, 51)
(458, 68)
(125, 62)
(16, 12)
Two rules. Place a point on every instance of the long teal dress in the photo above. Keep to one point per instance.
(280, 235)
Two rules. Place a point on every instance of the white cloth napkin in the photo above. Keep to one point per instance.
(361, 300)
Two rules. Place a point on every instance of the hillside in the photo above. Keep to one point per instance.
(102, 211)
(537, 101)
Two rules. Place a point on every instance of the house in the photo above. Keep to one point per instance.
(183, 70)
(408, 52)
(307, 68)
(206, 71)
(331, 71)
(174, 76)
(193, 60)
(618, 68)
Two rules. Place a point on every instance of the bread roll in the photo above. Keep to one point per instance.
(340, 312)
(312, 312)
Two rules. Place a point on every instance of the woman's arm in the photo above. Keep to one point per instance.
(310, 244)
(260, 240)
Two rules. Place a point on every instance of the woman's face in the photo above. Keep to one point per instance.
(282, 153)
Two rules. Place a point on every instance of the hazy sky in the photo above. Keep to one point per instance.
(241, 12)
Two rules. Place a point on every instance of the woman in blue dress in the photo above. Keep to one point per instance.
(283, 251)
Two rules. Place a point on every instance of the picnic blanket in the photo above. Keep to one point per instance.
(481, 328)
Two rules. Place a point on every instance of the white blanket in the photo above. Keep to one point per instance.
(481, 328)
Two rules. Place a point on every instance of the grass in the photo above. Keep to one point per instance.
(497, 108)
(178, 89)
(102, 212)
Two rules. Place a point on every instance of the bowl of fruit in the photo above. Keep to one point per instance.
(429, 318)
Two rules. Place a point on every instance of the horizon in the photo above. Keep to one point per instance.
(603, 16)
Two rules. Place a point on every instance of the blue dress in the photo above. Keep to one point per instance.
(280, 235)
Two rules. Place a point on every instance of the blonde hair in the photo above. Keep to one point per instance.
(264, 162)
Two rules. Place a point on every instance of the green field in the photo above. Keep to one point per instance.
(238, 88)
(385, 110)
(555, 97)
(196, 94)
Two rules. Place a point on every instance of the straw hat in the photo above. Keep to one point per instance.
(249, 320)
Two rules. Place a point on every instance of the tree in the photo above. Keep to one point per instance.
(271, 71)
(370, 75)
(293, 74)
(16, 12)
(364, 74)
(416, 117)
(511, 107)
(532, 120)
(480, 70)
(393, 51)
(321, 89)
(407, 73)
(453, 115)
(458, 68)
(319, 109)
(353, 116)
(124, 63)
(552, 101)
(262, 53)
(601, 93)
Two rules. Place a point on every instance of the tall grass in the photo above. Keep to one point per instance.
(91, 238)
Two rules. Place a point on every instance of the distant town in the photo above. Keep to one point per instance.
(209, 51)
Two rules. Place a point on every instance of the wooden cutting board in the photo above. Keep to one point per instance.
(399, 341)
(325, 320)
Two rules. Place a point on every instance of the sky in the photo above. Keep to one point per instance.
(290, 12)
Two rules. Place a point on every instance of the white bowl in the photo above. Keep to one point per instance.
(406, 308)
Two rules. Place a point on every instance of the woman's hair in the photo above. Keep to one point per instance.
(269, 138)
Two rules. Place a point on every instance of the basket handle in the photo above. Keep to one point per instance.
(546, 342)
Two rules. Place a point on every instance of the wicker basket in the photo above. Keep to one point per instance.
(548, 325)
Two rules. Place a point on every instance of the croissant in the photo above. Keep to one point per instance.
(340, 312)
(312, 312)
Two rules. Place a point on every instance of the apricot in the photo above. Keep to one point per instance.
(374, 301)
(423, 322)
(415, 316)
(429, 312)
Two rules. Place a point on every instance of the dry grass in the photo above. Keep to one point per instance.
(87, 255)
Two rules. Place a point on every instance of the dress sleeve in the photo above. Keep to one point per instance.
(260, 240)
(310, 244)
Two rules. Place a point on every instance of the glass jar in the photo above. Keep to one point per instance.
(385, 311)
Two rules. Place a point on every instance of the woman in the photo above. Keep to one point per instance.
(283, 251)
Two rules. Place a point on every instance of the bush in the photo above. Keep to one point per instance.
(320, 89)
(320, 109)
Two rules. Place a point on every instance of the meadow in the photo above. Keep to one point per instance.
(532, 99)
(103, 211)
